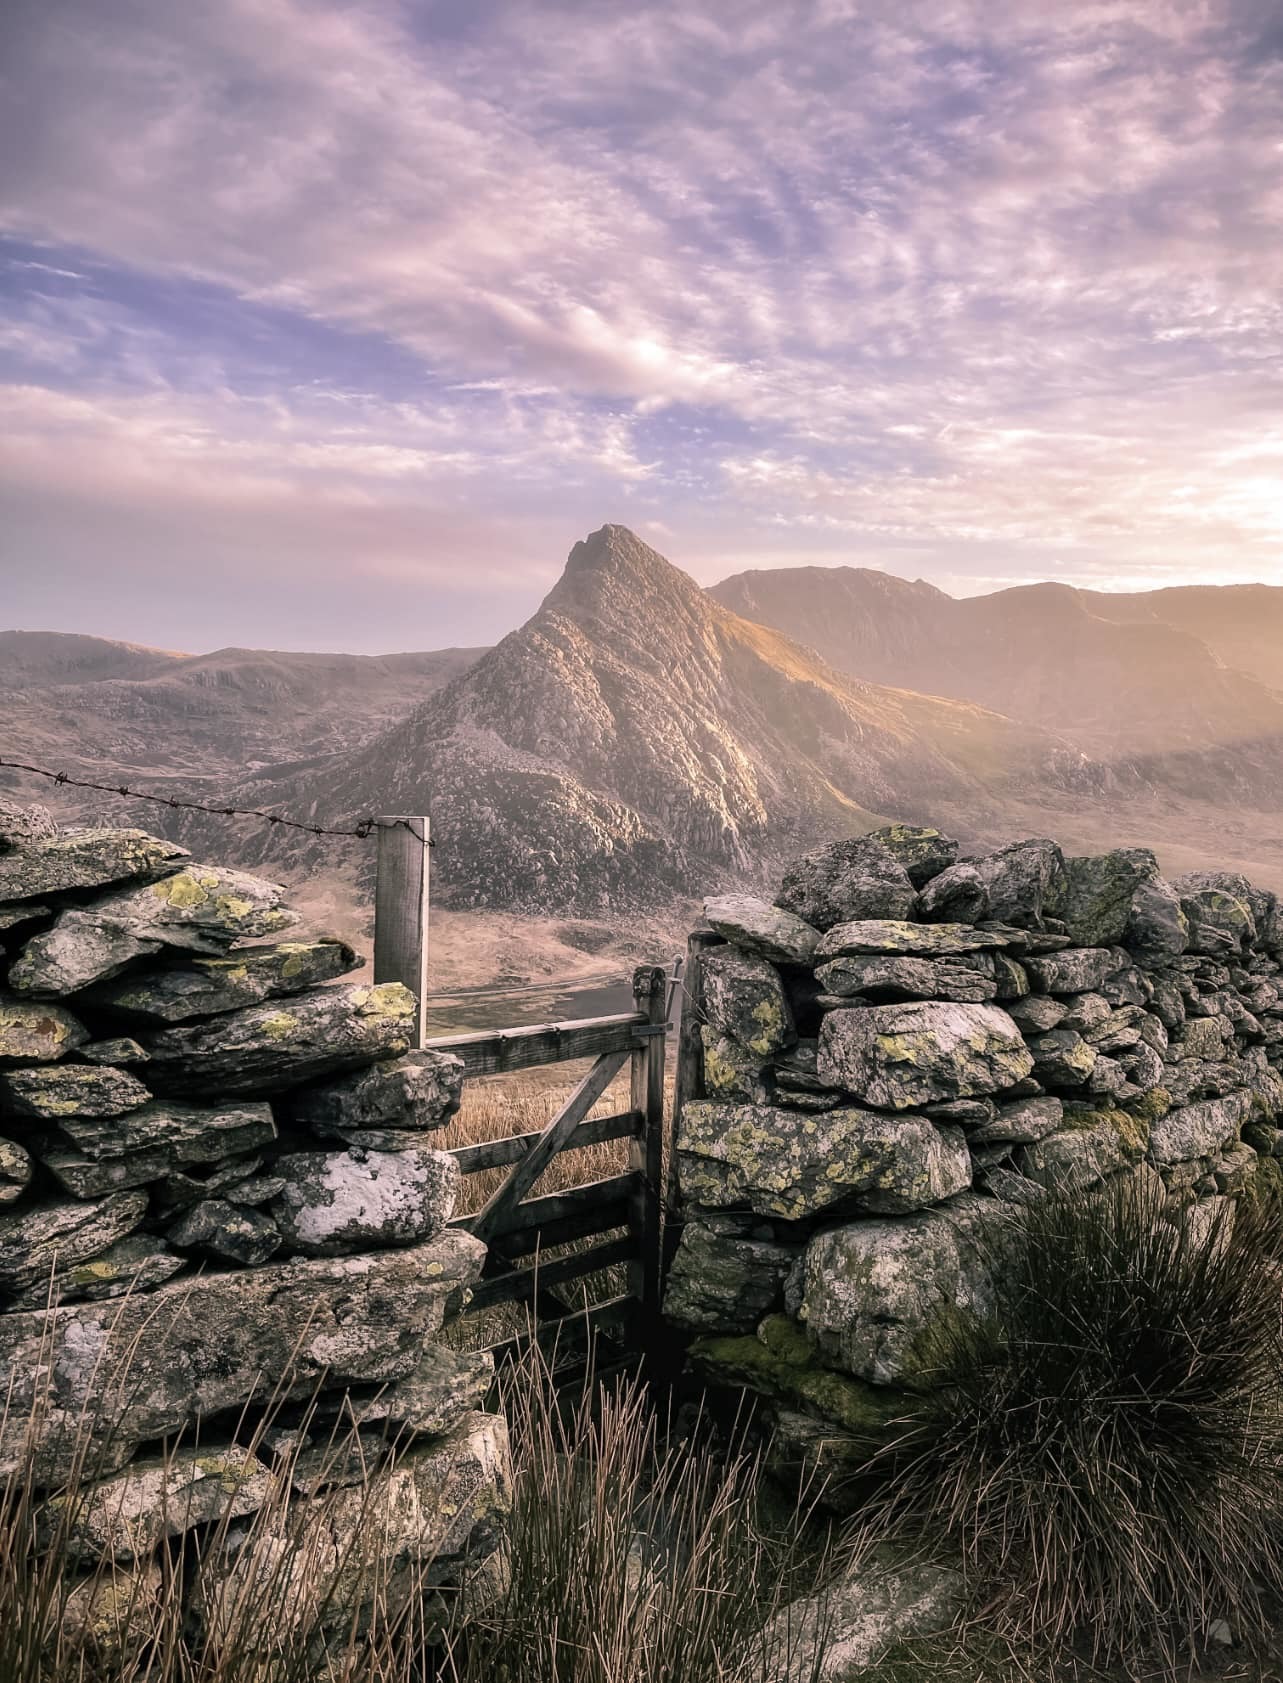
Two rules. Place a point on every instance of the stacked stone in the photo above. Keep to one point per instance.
(220, 1199)
(904, 1045)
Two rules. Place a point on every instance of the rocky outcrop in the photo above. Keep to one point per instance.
(232, 1215)
(874, 1114)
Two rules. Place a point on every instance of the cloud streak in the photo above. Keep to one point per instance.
(929, 285)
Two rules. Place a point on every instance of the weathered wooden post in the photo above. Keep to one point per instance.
(689, 1083)
(646, 1147)
(401, 910)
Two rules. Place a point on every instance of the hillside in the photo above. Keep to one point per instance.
(636, 739)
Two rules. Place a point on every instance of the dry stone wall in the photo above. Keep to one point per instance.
(221, 1199)
(904, 1045)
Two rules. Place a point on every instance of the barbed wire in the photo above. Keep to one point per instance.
(364, 828)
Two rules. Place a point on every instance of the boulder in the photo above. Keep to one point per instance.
(24, 826)
(897, 1056)
(270, 1047)
(93, 1155)
(37, 1033)
(922, 851)
(1038, 1013)
(217, 1341)
(1074, 970)
(1012, 885)
(744, 998)
(853, 1624)
(885, 977)
(337, 1202)
(1094, 896)
(130, 1265)
(1157, 928)
(724, 1279)
(1198, 1130)
(15, 1171)
(203, 987)
(421, 1091)
(1220, 924)
(788, 1164)
(876, 1292)
(84, 859)
(910, 940)
(126, 1516)
(768, 931)
(34, 1239)
(855, 878)
(201, 908)
(217, 1228)
(62, 1090)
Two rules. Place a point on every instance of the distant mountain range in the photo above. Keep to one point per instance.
(641, 739)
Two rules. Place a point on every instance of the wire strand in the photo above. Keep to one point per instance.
(364, 828)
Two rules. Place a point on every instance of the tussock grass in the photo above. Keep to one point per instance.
(1106, 1452)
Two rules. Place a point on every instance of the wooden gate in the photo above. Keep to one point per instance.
(621, 1214)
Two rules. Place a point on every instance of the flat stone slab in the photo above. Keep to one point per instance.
(61, 1090)
(37, 1033)
(1021, 1123)
(201, 908)
(1199, 1130)
(267, 1048)
(790, 1164)
(1074, 969)
(768, 931)
(91, 1156)
(16, 1169)
(204, 987)
(33, 1240)
(884, 976)
(895, 1057)
(227, 1232)
(910, 940)
(421, 1091)
(84, 859)
(340, 1201)
(445, 1385)
(136, 1263)
(218, 1341)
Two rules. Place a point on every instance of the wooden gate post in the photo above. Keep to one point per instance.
(646, 1148)
(401, 910)
(690, 1076)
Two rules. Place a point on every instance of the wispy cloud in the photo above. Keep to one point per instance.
(973, 291)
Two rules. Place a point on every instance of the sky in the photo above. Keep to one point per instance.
(335, 326)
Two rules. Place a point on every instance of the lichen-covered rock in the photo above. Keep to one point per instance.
(899, 1056)
(61, 1090)
(1094, 896)
(744, 998)
(267, 1048)
(1157, 928)
(110, 1617)
(443, 1387)
(204, 987)
(1204, 1038)
(910, 940)
(26, 911)
(855, 1624)
(1062, 1058)
(855, 878)
(217, 1341)
(724, 1279)
(881, 976)
(335, 1202)
(24, 826)
(921, 850)
(876, 1292)
(83, 859)
(217, 1228)
(731, 1071)
(134, 1264)
(126, 1516)
(15, 1171)
(201, 909)
(1021, 1123)
(37, 1033)
(1038, 1013)
(1012, 885)
(1071, 1160)
(1199, 1130)
(421, 1091)
(786, 1163)
(34, 1239)
(768, 931)
(92, 1155)
(1220, 924)
(122, 1050)
(1073, 970)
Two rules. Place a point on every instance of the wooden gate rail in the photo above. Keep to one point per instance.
(627, 1205)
